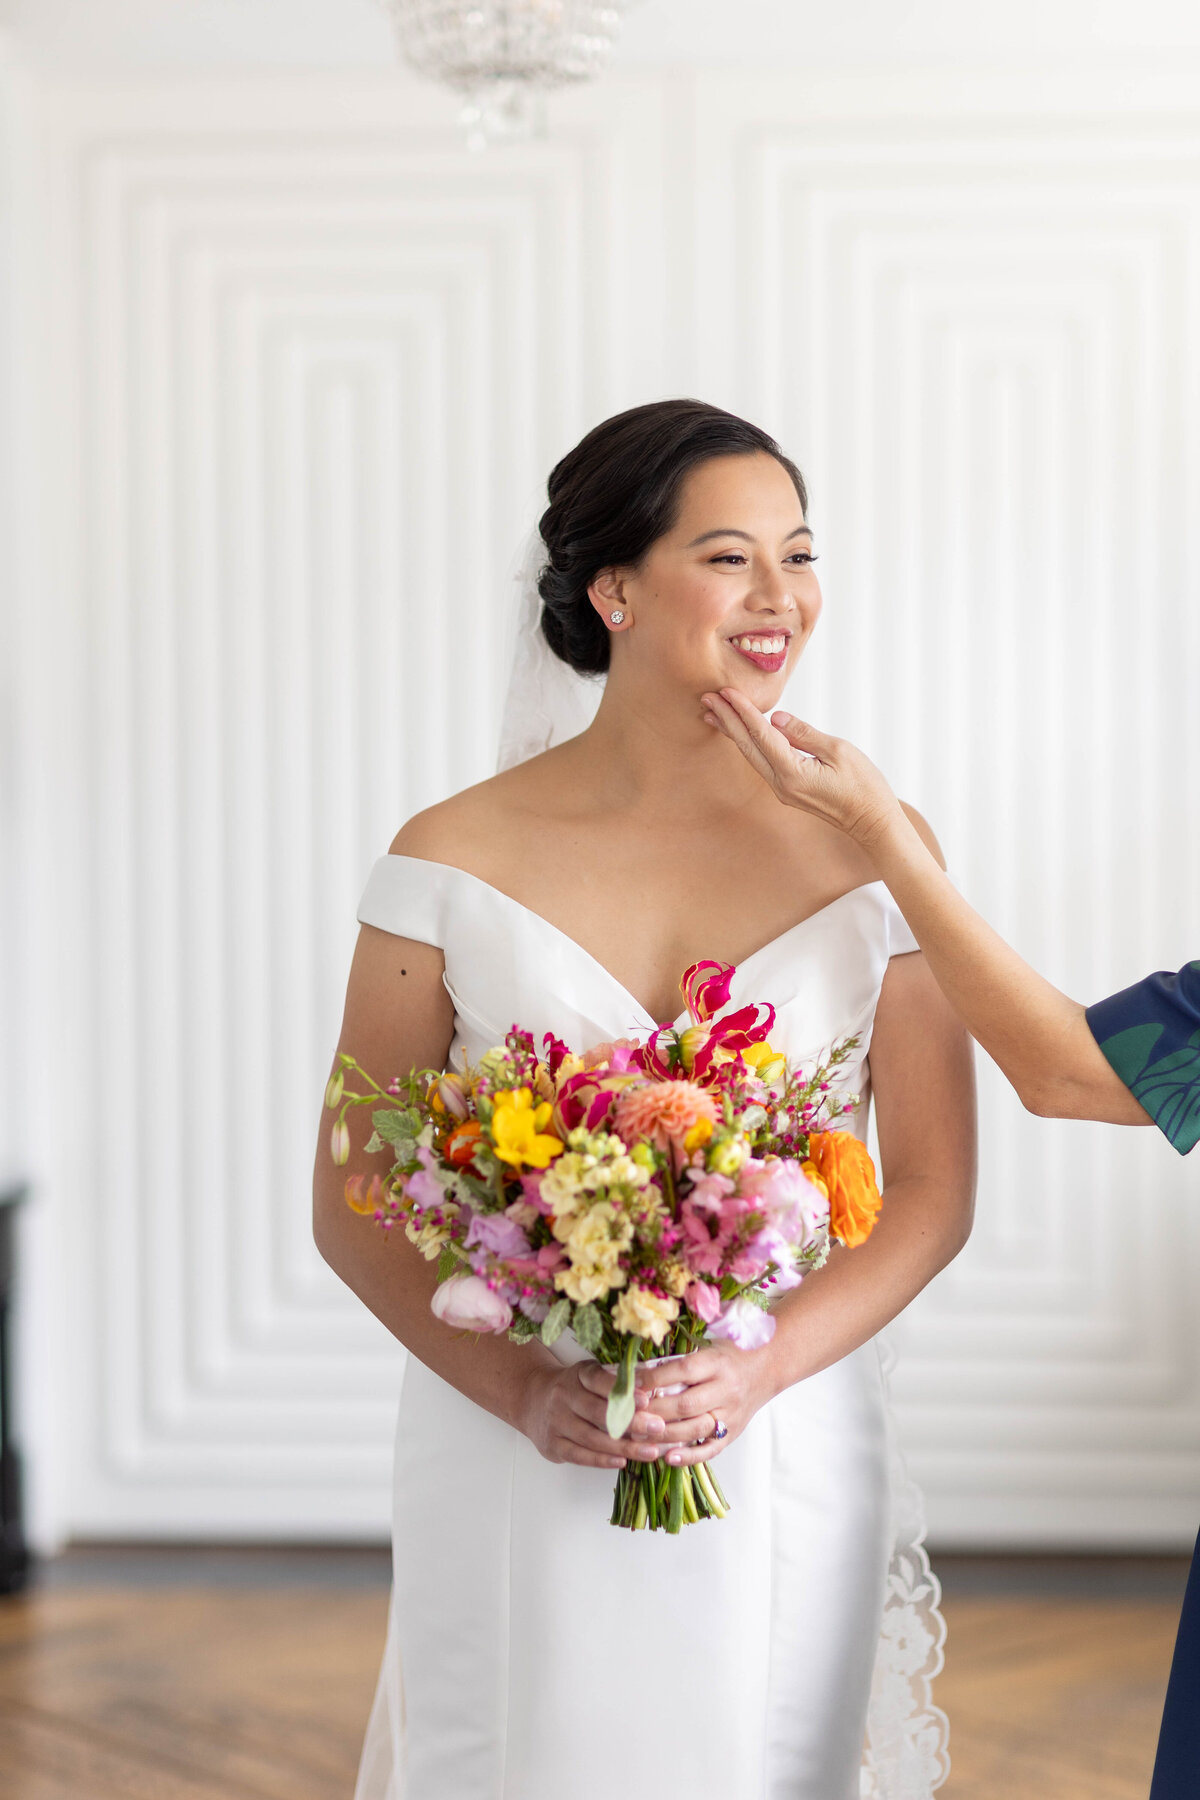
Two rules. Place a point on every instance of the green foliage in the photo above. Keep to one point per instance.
(522, 1329)
(589, 1327)
(556, 1322)
(622, 1400)
(447, 1265)
(398, 1126)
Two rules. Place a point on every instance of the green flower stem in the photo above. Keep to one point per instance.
(675, 1516)
(707, 1483)
(348, 1062)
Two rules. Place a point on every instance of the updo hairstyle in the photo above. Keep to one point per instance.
(614, 495)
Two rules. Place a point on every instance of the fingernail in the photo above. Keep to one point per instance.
(675, 1459)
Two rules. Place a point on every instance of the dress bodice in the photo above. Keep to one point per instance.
(506, 965)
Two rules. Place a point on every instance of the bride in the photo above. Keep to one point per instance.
(533, 1651)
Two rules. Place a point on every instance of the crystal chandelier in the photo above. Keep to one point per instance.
(503, 56)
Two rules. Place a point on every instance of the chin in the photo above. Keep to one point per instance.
(762, 686)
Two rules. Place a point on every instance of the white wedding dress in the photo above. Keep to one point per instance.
(534, 1652)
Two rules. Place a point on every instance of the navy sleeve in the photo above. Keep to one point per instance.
(1150, 1033)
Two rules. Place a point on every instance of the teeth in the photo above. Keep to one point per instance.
(762, 646)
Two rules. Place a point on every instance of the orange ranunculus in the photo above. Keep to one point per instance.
(460, 1146)
(843, 1165)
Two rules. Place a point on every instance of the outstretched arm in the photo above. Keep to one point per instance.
(1039, 1037)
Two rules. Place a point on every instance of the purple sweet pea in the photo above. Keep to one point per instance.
(499, 1234)
(744, 1324)
(422, 1186)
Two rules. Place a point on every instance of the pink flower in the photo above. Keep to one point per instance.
(709, 1219)
(793, 1204)
(704, 1300)
(531, 1190)
(467, 1303)
(765, 1248)
(705, 989)
(587, 1099)
(662, 1112)
(452, 1092)
(616, 1056)
(749, 1264)
(744, 1324)
(422, 1186)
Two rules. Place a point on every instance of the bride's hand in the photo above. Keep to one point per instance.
(564, 1418)
(821, 775)
(720, 1382)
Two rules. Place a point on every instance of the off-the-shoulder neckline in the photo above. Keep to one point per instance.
(647, 1018)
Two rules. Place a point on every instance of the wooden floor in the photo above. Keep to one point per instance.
(248, 1676)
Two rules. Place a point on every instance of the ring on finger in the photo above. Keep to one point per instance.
(720, 1430)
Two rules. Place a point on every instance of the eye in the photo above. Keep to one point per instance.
(728, 556)
(802, 557)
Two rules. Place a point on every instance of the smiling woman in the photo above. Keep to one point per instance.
(617, 494)
(569, 892)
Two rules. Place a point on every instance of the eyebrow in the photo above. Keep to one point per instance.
(729, 531)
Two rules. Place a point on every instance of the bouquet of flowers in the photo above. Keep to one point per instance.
(644, 1196)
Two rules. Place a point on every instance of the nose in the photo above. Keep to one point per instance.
(771, 592)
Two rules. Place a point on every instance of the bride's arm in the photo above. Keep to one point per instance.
(399, 1017)
(924, 1090)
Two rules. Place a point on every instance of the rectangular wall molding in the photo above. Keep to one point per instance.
(294, 365)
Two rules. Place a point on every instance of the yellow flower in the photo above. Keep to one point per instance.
(728, 1157)
(645, 1314)
(598, 1236)
(767, 1063)
(585, 1284)
(674, 1277)
(570, 1065)
(699, 1134)
(429, 1238)
(516, 1130)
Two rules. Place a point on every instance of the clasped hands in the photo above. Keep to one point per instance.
(719, 1382)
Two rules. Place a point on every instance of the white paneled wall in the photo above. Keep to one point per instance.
(983, 340)
(294, 367)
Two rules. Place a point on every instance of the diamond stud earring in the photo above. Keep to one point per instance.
(616, 618)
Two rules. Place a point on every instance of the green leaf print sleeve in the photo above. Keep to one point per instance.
(1150, 1034)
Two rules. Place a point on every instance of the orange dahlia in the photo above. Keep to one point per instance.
(663, 1112)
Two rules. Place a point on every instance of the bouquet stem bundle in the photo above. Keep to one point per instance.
(663, 1498)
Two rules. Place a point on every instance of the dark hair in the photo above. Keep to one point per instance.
(614, 495)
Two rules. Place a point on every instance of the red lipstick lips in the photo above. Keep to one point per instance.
(767, 650)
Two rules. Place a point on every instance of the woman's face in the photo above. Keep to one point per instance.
(728, 597)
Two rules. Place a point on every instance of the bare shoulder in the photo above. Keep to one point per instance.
(925, 831)
(468, 827)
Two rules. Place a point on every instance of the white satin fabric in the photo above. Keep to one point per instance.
(534, 1652)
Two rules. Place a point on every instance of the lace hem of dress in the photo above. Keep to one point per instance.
(906, 1754)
